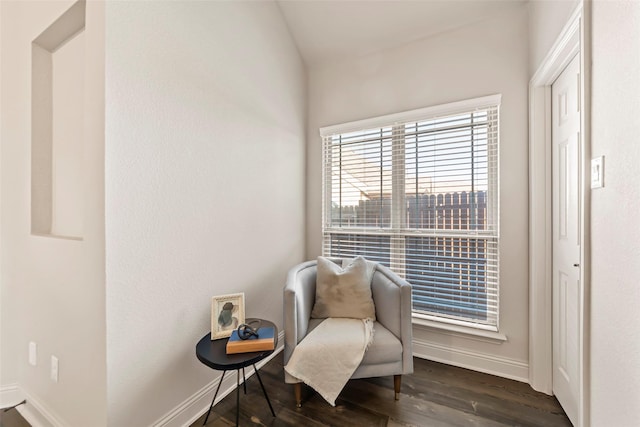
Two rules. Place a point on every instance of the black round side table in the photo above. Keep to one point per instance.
(214, 355)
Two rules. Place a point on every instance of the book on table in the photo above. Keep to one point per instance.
(265, 341)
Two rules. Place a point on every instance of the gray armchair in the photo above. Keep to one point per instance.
(390, 352)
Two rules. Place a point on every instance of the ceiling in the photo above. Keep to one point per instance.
(327, 30)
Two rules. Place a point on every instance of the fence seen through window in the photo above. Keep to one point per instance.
(448, 274)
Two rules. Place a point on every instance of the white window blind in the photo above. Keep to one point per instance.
(418, 192)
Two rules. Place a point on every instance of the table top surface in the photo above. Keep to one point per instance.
(214, 353)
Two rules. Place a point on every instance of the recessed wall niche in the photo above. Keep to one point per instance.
(57, 126)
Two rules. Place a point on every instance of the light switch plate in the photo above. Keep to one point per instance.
(597, 172)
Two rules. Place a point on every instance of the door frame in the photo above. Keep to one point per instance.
(575, 38)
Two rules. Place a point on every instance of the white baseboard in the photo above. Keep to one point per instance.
(487, 363)
(33, 411)
(10, 395)
(191, 409)
(39, 414)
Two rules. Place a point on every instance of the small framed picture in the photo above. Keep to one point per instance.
(227, 313)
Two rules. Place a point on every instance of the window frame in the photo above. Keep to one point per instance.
(398, 216)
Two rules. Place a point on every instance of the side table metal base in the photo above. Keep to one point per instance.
(244, 382)
(213, 353)
(264, 390)
(214, 398)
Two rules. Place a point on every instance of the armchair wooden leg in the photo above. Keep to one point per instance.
(297, 388)
(397, 380)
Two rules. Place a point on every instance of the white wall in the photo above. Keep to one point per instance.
(615, 234)
(67, 138)
(482, 59)
(546, 20)
(52, 289)
(204, 160)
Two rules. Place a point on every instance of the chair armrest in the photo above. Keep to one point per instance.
(299, 296)
(392, 298)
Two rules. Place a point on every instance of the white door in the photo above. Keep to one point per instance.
(565, 136)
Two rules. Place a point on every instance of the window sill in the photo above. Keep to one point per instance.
(486, 335)
(58, 236)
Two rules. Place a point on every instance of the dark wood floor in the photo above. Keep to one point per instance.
(12, 418)
(434, 395)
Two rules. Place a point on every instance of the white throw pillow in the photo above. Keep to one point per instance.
(343, 292)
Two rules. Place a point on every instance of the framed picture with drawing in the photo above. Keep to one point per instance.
(227, 313)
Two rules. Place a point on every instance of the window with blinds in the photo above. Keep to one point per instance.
(418, 192)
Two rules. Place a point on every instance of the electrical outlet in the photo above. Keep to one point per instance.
(54, 369)
(33, 353)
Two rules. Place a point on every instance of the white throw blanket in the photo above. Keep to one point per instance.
(327, 357)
